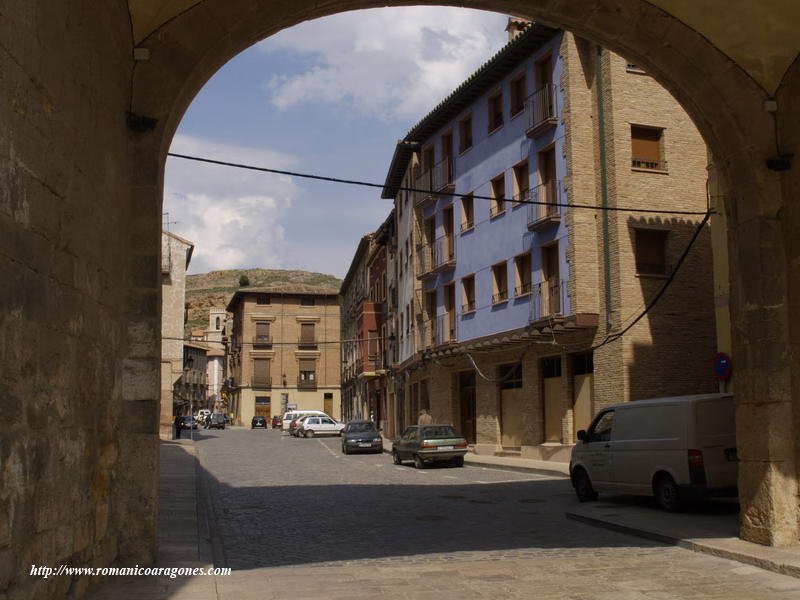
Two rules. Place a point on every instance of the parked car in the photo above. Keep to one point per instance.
(216, 421)
(291, 416)
(358, 436)
(277, 421)
(671, 448)
(296, 424)
(189, 422)
(313, 425)
(258, 422)
(429, 443)
(203, 414)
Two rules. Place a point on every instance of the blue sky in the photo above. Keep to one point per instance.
(332, 97)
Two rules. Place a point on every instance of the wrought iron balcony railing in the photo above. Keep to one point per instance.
(446, 331)
(522, 290)
(307, 342)
(500, 296)
(649, 165)
(306, 384)
(262, 340)
(441, 254)
(548, 299)
(434, 180)
(262, 382)
(542, 111)
(547, 197)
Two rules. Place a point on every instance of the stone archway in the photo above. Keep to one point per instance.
(727, 106)
(80, 204)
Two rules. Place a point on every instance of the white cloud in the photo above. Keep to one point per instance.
(390, 63)
(233, 216)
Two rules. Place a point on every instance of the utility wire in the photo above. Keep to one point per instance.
(410, 189)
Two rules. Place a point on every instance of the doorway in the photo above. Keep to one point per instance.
(468, 405)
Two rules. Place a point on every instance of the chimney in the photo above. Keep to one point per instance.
(516, 26)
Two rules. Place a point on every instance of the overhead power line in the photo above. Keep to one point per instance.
(410, 189)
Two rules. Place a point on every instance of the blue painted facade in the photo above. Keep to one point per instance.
(505, 236)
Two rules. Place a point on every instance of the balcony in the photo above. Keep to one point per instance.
(548, 299)
(546, 210)
(468, 307)
(262, 383)
(440, 178)
(647, 164)
(541, 110)
(262, 340)
(432, 258)
(523, 290)
(500, 296)
(307, 343)
(306, 384)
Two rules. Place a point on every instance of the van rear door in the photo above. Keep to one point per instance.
(714, 433)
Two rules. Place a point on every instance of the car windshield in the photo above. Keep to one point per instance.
(361, 428)
(438, 431)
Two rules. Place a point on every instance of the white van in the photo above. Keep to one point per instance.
(290, 416)
(671, 448)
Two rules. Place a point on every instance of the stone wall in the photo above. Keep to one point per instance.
(71, 491)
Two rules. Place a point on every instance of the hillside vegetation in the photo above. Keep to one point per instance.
(207, 290)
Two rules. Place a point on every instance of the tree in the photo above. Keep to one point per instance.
(244, 280)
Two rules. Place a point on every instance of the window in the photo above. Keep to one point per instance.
(307, 334)
(218, 323)
(518, 93)
(427, 159)
(372, 345)
(651, 252)
(262, 400)
(307, 301)
(262, 331)
(601, 430)
(582, 364)
(500, 282)
(262, 299)
(646, 148)
(497, 206)
(510, 376)
(465, 134)
(261, 371)
(523, 273)
(522, 182)
(495, 110)
(468, 294)
(551, 367)
(308, 371)
(467, 212)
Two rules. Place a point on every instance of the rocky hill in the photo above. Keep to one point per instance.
(207, 290)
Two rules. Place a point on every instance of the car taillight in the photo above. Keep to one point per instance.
(460, 445)
(426, 445)
(695, 458)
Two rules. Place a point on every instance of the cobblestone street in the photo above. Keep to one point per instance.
(296, 518)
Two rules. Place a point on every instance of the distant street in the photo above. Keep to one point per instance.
(442, 532)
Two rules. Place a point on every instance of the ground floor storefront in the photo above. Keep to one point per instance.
(526, 400)
(247, 402)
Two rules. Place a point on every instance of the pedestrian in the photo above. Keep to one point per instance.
(424, 417)
(178, 426)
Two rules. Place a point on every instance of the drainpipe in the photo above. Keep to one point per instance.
(601, 131)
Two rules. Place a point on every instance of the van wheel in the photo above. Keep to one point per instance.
(583, 486)
(396, 458)
(667, 493)
(310, 433)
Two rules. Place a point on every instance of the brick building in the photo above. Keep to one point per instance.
(505, 293)
(366, 326)
(283, 352)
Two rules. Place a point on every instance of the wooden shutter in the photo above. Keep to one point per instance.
(646, 143)
(261, 371)
(307, 333)
(262, 330)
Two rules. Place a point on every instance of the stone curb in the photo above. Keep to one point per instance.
(689, 544)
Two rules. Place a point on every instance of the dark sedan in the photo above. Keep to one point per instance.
(258, 422)
(360, 436)
(429, 443)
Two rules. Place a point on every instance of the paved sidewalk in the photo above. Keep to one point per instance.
(182, 536)
(710, 527)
